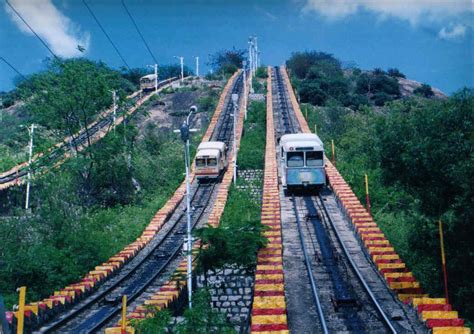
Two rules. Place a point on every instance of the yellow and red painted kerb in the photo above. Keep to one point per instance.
(171, 290)
(269, 305)
(71, 293)
(436, 312)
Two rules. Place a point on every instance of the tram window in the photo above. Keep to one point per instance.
(200, 162)
(314, 158)
(212, 162)
(295, 159)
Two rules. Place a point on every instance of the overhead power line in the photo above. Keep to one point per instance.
(13, 68)
(105, 33)
(32, 30)
(139, 32)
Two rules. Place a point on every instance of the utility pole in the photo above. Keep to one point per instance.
(31, 131)
(114, 100)
(181, 62)
(256, 53)
(197, 66)
(244, 65)
(188, 245)
(235, 99)
(156, 78)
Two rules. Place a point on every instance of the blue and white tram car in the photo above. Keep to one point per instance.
(301, 161)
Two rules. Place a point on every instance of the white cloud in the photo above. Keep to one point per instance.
(454, 32)
(409, 10)
(57, 30)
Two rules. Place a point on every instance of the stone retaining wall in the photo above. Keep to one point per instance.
(231, 292)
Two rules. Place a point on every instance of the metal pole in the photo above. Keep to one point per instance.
(189, 238)
(367, 197)
(181, 60)
(21, 310)
(31, 132)
(235, 99)
(256, 54)
(114, 98)
(443, 262)
(123, 322)
(1, 110)
(197, 66)
(185, 131)
(156, 78)
(333, 153)
(244, 63)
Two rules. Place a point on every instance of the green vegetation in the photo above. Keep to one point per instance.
(424, 90)
(93, 205)
(261, 72)
(238, 237)
(201, 319)
(252, 145)
(321, 80)
(226, 62)
(419, 158)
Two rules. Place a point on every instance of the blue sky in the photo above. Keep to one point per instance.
(429, 40)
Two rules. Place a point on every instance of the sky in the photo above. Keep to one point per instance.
(430, 41)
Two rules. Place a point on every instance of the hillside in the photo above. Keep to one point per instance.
(415, 145)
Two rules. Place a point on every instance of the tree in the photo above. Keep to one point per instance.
(300, 62)
(227, 61)
(70, 94)
(424, 90)
(395, 73)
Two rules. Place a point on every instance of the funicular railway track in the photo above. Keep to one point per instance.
(144, 269)
(56, 154)
(347, 293)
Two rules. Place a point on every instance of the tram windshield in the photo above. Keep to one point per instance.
(211, 162)
(200, 162)
(314, 158)
(295, 159)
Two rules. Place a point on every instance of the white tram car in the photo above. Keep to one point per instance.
(147, 82)
(211, 160)
(301, 161)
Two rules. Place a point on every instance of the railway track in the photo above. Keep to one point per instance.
(69, 145)
(327, 274)
(132, 280)
(143, 273)
(171, 286)
(338, 286)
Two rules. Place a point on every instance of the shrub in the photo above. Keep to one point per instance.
(424, 90)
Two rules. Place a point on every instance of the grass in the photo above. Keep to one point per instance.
(252, 145)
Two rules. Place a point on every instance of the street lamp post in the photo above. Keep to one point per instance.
(184, 130)
(244, 65)
(197, 66)
(31, 131)
(235, 99)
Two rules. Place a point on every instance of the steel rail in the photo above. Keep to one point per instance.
(61, 148)
(93, 326)
(314, 288)
(96, 297)
(379, 309)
